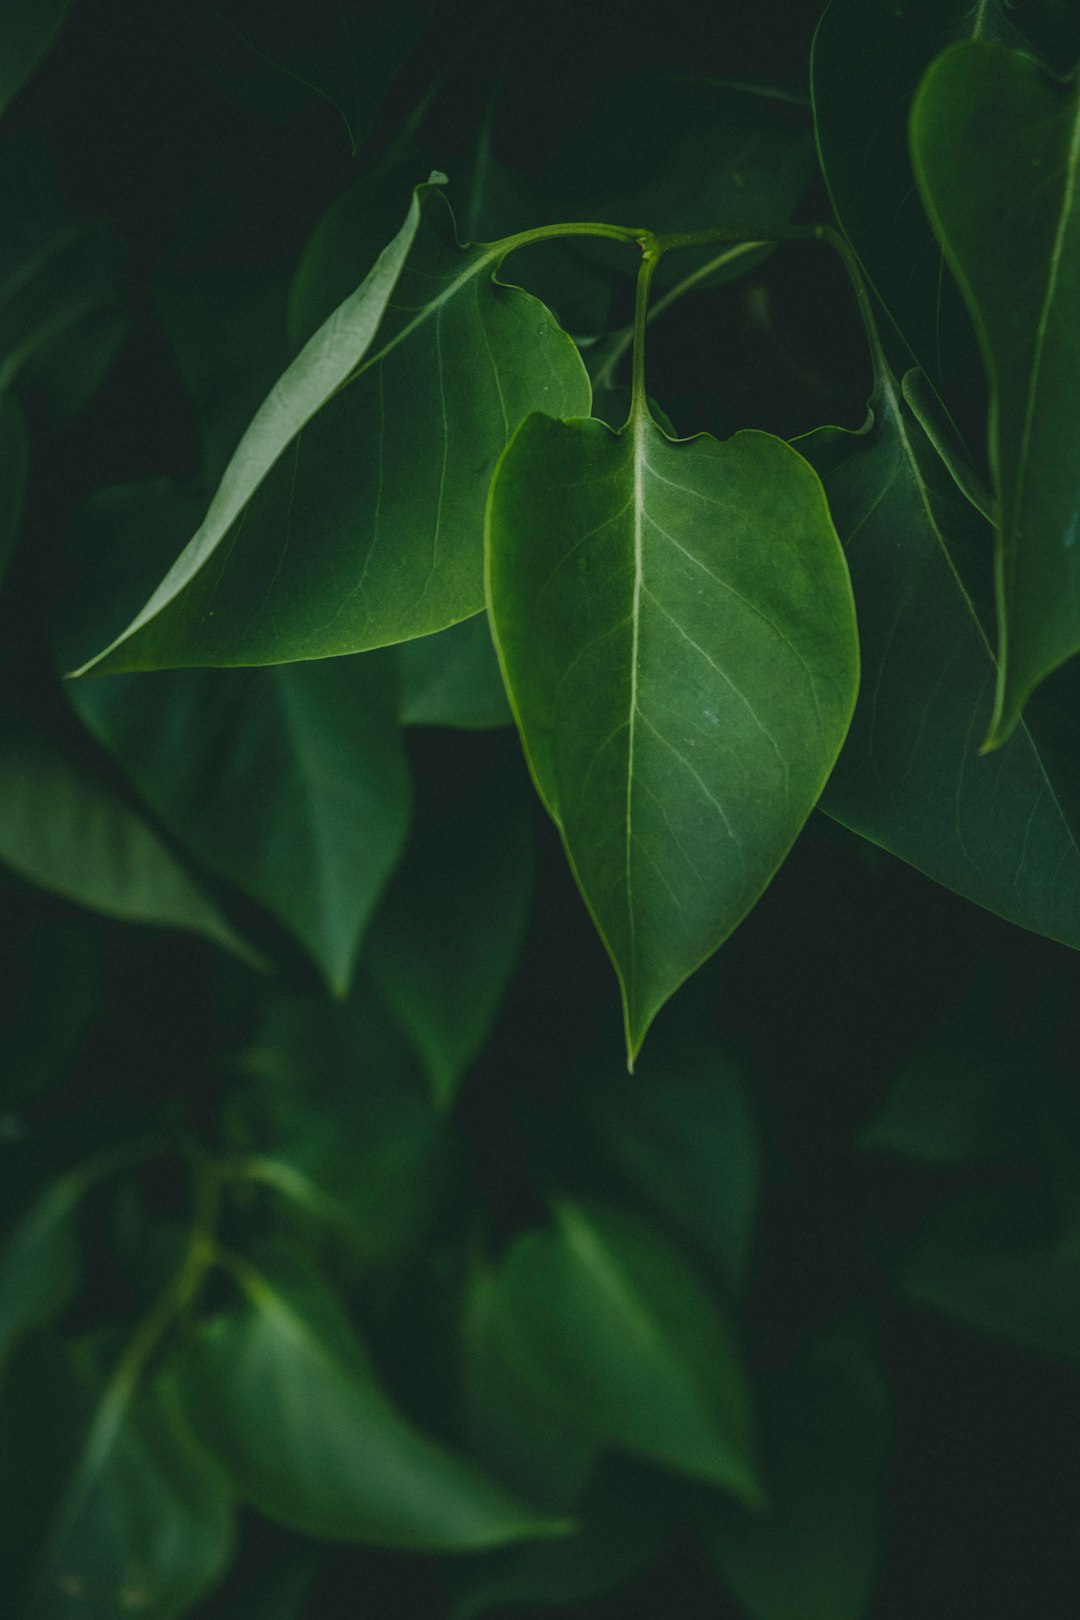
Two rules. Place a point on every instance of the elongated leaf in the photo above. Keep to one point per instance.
(867, 60)
(813, 1556)
(28, 29)
(291, 782)
(1000, 829)
(14, 454)
(453, 679)
(612, 1325)
(996, 147)
(351, 514)
(676, 631)
(446, 937)
(145, 1525)
(337, 1460)
(61, 829)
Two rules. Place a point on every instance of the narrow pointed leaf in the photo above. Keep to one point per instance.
(1002, 829)
(996, 148)
(351, 514)
(611, 1324)
(66, 832)
(677, 636)
(282, 1394)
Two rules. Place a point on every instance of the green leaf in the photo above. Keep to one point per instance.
(684, 1137)
(14, 456)
(28, 31)
(351, 515)
(337, 1111)
(66, 832)
(971, 1267)
(996, 149)
(676, 631)
(957, 1101)
(39, 1263)
(813, 1556)
(611, 1325)
(338, 1461)
(867, 60)
(453, 679)
(446, 938)
(999, 829)
(145, 1524)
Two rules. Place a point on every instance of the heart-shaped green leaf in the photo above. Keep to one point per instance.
(351, 514)
(996, 148)
(677, 635)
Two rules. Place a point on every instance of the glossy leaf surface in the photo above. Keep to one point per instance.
(676, 630)
(372, 455)
(338, 1460)
(996, 147)
(612, 1325)
(65, 831)
(813, 1555)
(1001, 828)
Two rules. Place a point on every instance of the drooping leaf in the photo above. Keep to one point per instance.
(612, 1325)
(145, 1523)
(337, 1098)
(867, 60)
(14, 455)
(445, 940)
(28, 30)
(684, 1138)
(66, 832)
(1000, 829)
(351, 514)
(813, 1554)
(676, 631)
(338, 1460)
(453, 679)
(996, 149)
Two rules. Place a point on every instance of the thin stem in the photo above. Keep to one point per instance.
(630, 235)
(638, 399)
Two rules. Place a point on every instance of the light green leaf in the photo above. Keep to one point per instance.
(996, 149)
(351, 515)
(684, 1137)
(446, 938)
(28, 31)
(66, 832)
(1000, 829)
(867, 60)
(677, 635)
(145, 1525)
(14, 455)
(453, 679)
(611, 1325)
(338, 1460)
(813, 1555)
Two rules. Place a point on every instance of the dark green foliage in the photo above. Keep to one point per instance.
(426, 674)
